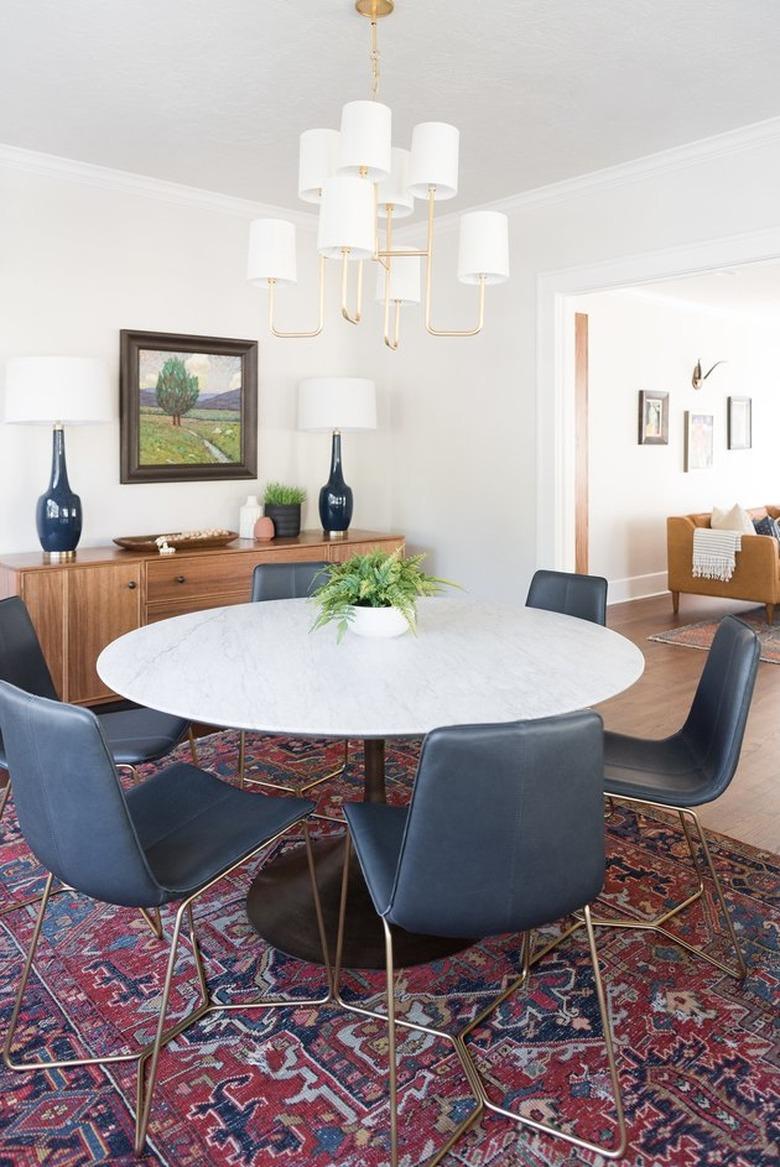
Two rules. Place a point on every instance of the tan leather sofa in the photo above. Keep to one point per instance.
(757, 575)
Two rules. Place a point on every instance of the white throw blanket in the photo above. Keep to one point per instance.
(715, 553)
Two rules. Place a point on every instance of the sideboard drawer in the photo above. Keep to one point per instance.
(188, 577)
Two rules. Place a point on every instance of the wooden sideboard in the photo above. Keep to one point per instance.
(80, 607)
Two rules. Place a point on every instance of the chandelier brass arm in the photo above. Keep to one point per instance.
(345, 312)
(272, 304)
(429, 284)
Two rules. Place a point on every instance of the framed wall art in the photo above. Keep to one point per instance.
(740, 423)
(188, 407)
(653, 418)
(699, 440)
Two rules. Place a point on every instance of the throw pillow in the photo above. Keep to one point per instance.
(767, 526)
(736, 519)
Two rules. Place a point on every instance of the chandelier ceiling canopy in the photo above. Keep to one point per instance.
(363, 185)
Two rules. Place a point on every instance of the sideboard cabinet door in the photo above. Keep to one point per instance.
(103, 602)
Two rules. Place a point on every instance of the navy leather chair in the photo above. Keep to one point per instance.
(167, 840)
(285, 581)
(694, 765)
(583, 596)
(134, 736)
(504, 833)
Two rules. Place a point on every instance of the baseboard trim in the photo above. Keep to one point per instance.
(637, 587)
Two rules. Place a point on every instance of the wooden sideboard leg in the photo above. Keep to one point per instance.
(675, 602)
(770, 613)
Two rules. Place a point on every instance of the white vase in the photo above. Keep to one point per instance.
(377, 622)
(248, 515)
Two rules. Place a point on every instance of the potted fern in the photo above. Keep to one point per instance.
(282, 504)
(375, 594)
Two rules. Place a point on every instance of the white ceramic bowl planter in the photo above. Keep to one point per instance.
(377, 622)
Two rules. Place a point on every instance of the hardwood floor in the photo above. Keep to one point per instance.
(657, 705)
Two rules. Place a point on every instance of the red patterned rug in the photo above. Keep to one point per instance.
(698, 1053)
(702, 634)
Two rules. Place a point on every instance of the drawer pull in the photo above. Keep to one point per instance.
(180, 579)
(132, 584)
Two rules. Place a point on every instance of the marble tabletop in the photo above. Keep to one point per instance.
(259, 667)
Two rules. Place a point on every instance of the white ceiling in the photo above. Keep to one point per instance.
(214, 93)
(754, 288)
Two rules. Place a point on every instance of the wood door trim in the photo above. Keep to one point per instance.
(581, 502)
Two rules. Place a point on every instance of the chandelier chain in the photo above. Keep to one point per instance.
(374, 56)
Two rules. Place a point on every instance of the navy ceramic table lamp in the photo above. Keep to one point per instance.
(336, 404)
(58, 391)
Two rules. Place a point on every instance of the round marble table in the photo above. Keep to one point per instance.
(259, 667)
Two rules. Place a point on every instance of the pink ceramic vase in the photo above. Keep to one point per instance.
(264, 529)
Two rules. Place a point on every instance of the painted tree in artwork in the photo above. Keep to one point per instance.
(177, 390)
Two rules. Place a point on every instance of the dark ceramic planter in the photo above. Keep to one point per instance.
(286, 519)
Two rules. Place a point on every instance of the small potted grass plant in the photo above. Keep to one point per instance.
(282, 504)
(375, 594)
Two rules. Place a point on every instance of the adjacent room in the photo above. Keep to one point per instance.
(389, 583)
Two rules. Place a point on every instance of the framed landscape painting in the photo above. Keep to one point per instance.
(699, 441)
(188, 407)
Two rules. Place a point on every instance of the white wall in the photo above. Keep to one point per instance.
(639, 341)
(78, 262)
(464, 411)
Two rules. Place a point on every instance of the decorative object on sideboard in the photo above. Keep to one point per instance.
(336, 404)
(264, 530)
(358, 179)
(248, 515)
(375, 595)
(188, 407)
(698, 377)
(58, 391)
(653, 418)
(212, 538)
(283, 507)
(699, 441)
(740, 423)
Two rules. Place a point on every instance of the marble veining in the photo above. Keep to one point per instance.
(260, 667)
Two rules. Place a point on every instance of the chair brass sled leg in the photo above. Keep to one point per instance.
(245, 779)
(4, 795)
(659, 923)
(150, 1053)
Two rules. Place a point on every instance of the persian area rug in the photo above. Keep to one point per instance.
(697, 1052)
(701, 634)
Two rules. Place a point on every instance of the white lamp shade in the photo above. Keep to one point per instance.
(336, 403)
(73, 390)
(404, 280)
(484, 247)
(346, 218)
(365, 139)
(271, 253)
(434, 160)
(317, 160)
(395, 189)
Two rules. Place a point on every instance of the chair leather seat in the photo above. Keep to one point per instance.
(141, 735)
(377, 833)
(664, 770)
(192, 826)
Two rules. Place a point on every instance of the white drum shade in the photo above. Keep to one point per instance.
(43, 390)
(484, 247)
(271, 252)
(404, 280)
(336, 403)
(365, 139)
(346, 218)
(395, 189)
(434, 160)
(318, 157)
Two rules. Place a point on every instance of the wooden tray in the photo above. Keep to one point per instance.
(148, 542)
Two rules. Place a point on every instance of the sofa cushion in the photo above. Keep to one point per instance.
(735, 519)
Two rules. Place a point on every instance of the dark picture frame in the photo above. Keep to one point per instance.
(739, 427)
(653, 418)
(150, 451)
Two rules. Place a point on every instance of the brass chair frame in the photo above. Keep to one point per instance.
(150, 1053)
(458, 1041)
(658, 924)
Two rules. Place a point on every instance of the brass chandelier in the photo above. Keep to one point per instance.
(358, 179)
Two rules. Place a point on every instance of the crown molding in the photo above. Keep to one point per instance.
(677, 158)
(125, 182)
